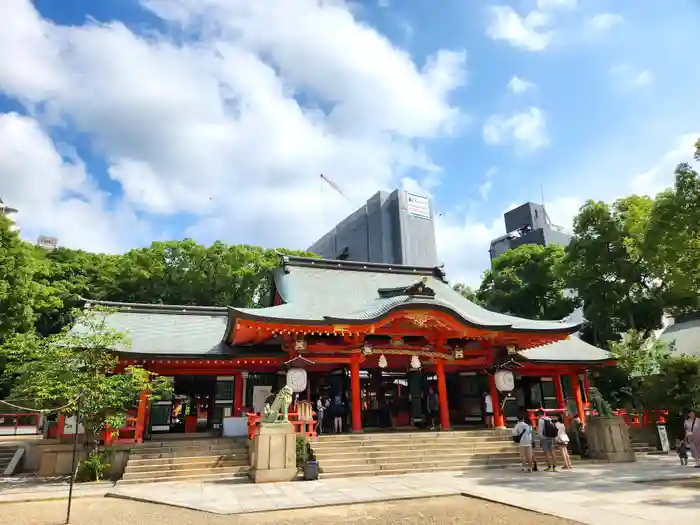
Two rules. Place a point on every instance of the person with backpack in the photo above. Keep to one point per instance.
(548, 432)
(522, 435)
(433, 406)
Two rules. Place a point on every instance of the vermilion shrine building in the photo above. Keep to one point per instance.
(376, 334)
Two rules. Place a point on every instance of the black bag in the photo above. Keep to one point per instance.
(519, 436)
(534, 466)
(550, 430)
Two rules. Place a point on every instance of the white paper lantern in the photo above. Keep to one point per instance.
(296, 379)
(505, 382)
(415, 362)
(382, 361)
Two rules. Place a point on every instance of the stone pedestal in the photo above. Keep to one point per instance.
(274, 453)
(609, 439)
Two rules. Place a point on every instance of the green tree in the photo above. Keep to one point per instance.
(638, 357)
(184, 272)
(672, 242)
(528, 282)
(467, 292)
(606, 266)
(75, 368)
(676, 386)
(20, 294)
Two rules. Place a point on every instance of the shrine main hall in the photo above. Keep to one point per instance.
(377, 337)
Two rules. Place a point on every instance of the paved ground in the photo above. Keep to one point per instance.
(597, 494)
(433, 511)
(33, 488)
(655, 490)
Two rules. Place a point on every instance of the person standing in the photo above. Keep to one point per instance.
(562, 442)
(432, 406)
(338, 409)
(522, 435)
(692, 436)
(488, 410)
(548, 432)
(321, 406)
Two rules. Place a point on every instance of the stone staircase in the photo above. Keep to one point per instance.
(404, 453)
(7, 452)
(188, 459)
(642, 448)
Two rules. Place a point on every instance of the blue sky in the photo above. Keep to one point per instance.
(127, 121)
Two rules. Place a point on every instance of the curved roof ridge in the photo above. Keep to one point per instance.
(157, 308)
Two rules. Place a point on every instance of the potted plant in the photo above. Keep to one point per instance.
(306, 459)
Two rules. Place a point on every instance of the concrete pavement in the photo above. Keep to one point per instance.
(596, 494)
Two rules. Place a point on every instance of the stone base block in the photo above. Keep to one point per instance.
(609, 439)
(273, 475)
(274, 455)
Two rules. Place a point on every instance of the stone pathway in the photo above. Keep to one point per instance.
(23, 488)
(597, 494)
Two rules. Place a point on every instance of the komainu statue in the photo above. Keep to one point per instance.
(277, 411)
(599, 403)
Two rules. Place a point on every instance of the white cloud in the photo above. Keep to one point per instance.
(235, 126)
(557, 4)
(602, 22)
(526, 130)
(518, 85)
(55, 196)
(625, 77)
(661, 175)
(531, 32)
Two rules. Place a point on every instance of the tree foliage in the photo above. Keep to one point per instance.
(22, 295)
(467, 292)
(74, 369)
(605, 265)
(676, 386)
(528, 282)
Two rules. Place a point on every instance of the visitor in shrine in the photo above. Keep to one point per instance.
(432, 406)
(488, 410)
(522, 435)
(692, 433)
(338, 411)
(322, 405)
(548, 432)
(561, 442)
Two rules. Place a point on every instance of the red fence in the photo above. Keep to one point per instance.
(305, 427)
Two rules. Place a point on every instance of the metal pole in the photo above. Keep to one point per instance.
(72, 468)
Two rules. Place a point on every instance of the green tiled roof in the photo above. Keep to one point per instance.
(166, 330)
(318, 291)
(685, 333)
(571, 350)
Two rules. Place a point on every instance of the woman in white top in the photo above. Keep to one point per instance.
(562, 442)
(488, 410)
(522, 435)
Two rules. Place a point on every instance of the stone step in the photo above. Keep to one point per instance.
(174, 443)
(473, 434)
(409, 448)
(193, 465)
(455, 442)
(396, 472)
(186, 472)
(186, 451)
(211, 476)
(204, 456)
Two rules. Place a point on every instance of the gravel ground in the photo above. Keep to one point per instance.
(442, 511)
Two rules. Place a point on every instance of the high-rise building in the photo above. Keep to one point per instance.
(391, 228)
(9, 211)
(528, 224)
(47, 243)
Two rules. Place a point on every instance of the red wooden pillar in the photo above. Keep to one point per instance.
(237, 394)
(355, 395)
(498, 419)
(559, 392)
(442, 394)
(141, 417)
(586, 386)
(577, 396)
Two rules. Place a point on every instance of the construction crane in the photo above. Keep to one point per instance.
(336, 188)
